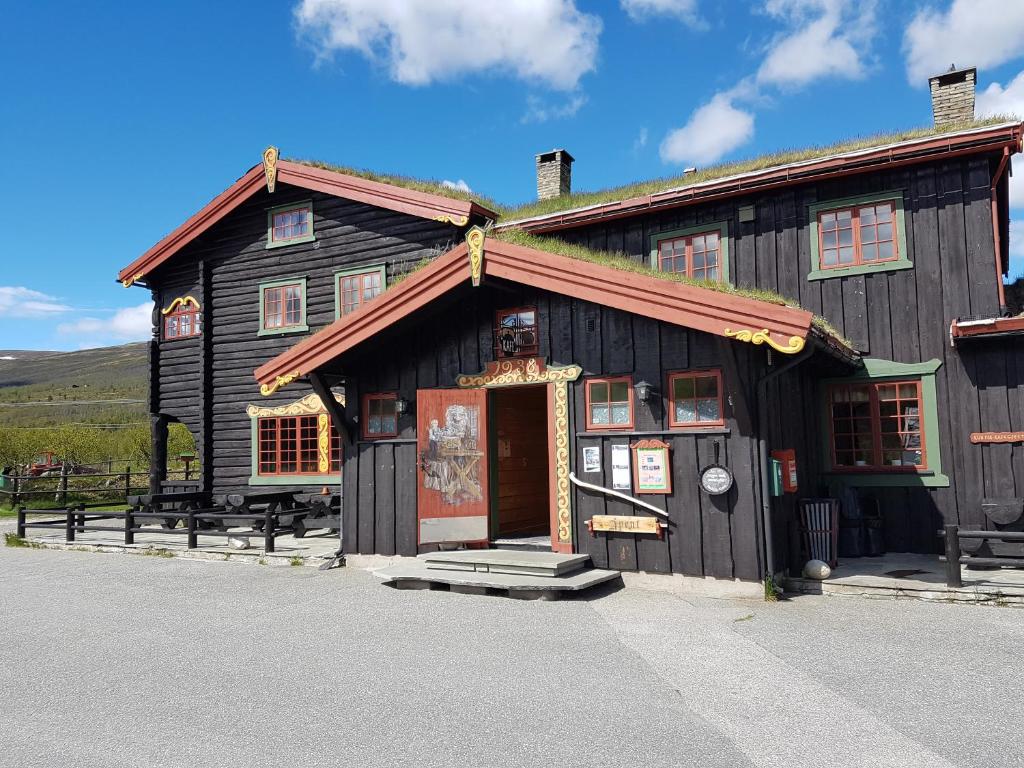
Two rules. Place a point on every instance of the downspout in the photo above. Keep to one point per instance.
(762, 454)
(997, 245)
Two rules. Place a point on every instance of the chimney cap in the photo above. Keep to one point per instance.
(953, 74)
(544, 157)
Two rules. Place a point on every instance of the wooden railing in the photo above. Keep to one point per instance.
(20, 488)
(955, 557)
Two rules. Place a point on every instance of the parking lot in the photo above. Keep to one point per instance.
(110, 660)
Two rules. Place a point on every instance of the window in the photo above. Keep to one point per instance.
(858, 235)
(356, 287)
(290, 224)
(181, 319)
(877, 426)
(695, 399)
(283, 306)
(515, 332)
(700, 252)
(289, 445)
(380, 418)
(609, 403)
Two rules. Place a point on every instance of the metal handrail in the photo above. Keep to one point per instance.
(625, 497)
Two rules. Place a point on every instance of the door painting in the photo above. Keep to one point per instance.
(452, 494)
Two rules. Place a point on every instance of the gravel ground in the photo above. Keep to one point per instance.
(111, 660)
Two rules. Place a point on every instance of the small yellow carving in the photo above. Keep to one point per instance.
(323, 439)
(561, 426)
(177, 302)
(475, 240)
(128, 282)
(764, 337)
(280, 381)
(270, 155)
(309, 405)
(458, 221)
(519, 370)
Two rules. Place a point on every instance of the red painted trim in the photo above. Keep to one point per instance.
(364, 415)
(689, 306)
(855, 231)
(694, 374)
(996, 244)
(688, 254)
(940, 147)
(609, 380)
(995, 326)
(649, 444)
(876, 428)
(423, 204)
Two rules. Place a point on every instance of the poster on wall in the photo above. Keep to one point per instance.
(620, 468)
(651, 467)
(592, 458)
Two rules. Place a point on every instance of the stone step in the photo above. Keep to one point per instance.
(416, 574)
(543, 564)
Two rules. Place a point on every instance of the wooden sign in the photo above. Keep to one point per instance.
(997, 437)
(651, 471)
(625, 524)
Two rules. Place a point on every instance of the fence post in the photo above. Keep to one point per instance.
(63, 485)
(16, 496)
(191, 529)
(127, 483)
(69, 526)
(129, 524)
(268, 529)
(21, 521)
(952, 556)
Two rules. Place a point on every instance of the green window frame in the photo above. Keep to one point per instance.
(301, 327)
(880, 371)
(721, 227)
(899, 219)
(367, 269)
(279, 209)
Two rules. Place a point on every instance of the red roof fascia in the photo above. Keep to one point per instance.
(395, 198)
(995, 326)
(890, 157)
(693, 307)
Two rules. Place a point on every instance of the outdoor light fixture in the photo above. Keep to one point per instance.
(401, 406)
(643, 390)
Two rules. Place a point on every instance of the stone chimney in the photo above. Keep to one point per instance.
(953, 95)
(554, 174)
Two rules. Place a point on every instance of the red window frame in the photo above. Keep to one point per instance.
(588, 385)
(176, 320)
(293, 441)
(877, 422)
(353, 287)
(525, 338)
(670, 262)
(275, 307)
(290, 228)
(860, 224)
(368, 400)
(714, 374)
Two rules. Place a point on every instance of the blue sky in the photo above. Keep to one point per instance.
(121, 120)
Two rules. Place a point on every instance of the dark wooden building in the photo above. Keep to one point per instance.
(558, 373)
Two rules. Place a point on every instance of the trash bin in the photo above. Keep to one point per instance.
(819, 519)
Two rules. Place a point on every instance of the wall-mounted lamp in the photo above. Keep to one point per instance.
(643, 391)
(401, 406)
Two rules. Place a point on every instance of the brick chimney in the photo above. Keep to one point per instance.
(953, 95)
(554, 174)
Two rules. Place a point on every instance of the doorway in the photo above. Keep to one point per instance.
(522, 506)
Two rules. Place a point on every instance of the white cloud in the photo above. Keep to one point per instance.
(827, 38)
(1016, 250)
(969, 33)
(713, 130)
(642, 10)
(422, 41)
(460, 185)
(1006, 100)
(8, 357)
(640, 141)
(540, 111)
(18, 301)
(129, 324)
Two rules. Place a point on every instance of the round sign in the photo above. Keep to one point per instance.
(715, 479)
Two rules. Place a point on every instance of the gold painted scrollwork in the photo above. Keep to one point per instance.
(562, 504)
(191, 300)
(475, 240)
(309, 405)
(280, 381)
(520, 370)
(458, 221)
(323, 432)
(764, 337)
(128, 282)
(270, 155)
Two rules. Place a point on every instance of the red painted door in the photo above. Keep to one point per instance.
(452, 495)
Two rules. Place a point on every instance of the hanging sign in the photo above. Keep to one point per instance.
(997, 437)
(620, 467)
(651, 472)
(592, 459)
(715, 479)
(625, 524)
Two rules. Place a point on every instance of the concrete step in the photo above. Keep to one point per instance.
(416, 574)
(523, 543)
(544, 564)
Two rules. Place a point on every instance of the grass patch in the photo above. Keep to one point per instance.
(771, 592)
(14, 540)
(295, 561)
(713, 172)
(157, 553)
(748, 617)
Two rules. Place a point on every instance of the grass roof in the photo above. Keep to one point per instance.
(431, 186)
(641, 188)
(619, 260)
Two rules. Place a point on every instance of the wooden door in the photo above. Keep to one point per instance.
(452, 494)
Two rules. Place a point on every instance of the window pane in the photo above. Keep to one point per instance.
(683, 387)
(830, 258)
(886, 251)
(869, 253)
(620, 413)
(867, 215)
(598, 413)
(846, 255)
(829, 239)
(845, 237)
(620, 391)
(883, 212)
(707, 386)
(686, 411)
(885, 231)
(599, 392)
(707, 410)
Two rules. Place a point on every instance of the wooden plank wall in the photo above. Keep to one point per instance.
(716, 537)
(902, 316)
(236, 260)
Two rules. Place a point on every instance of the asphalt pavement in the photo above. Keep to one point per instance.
(116, 660)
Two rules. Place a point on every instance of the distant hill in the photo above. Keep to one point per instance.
(91, 385)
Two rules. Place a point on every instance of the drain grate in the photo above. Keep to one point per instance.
(905, 573)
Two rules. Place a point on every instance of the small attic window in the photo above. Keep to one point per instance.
(290, 224)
